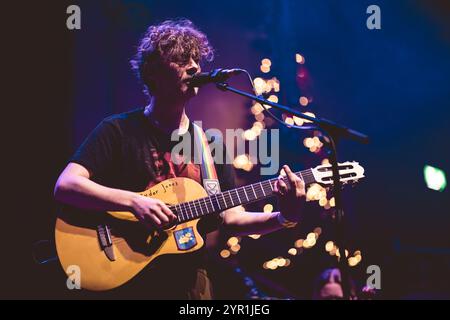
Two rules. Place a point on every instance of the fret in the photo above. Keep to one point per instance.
(262, 189)
(231, 198)
(236, 190)
(195, 208)
(179, 211)
(203, 200)
(202, 208)
(190, 208)
(245, 193)
(212, 205)
(224, 201)
(218, 202)
(254, 191)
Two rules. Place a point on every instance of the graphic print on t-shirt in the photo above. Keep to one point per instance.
(164, 168)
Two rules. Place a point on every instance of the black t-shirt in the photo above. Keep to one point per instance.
(128, 151)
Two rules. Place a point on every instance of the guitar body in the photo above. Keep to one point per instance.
(133, 247)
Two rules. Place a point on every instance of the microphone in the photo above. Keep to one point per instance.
(214, 76)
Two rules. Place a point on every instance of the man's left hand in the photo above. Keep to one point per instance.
(291, 195)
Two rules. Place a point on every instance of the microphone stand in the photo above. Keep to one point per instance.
(334, 132)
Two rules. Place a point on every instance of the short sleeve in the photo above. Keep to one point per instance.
(99, 152)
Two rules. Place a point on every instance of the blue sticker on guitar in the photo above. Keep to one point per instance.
(185, 238)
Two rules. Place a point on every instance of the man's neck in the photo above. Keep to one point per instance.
(168, 115)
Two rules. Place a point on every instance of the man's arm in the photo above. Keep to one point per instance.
(74, 187)
(239, 222)
(291, 198)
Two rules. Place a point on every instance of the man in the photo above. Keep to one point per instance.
(130, 152)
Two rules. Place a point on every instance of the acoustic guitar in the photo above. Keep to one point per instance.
(111, 248)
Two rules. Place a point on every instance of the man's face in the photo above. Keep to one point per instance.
(173, 77)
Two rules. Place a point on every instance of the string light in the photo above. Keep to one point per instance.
(235, 249)
(299, 243)
(268, 208)
(298, 121)
(299, 58)
(225, 253)
(329, 246)
(312, 115)
(266, 62)
(273, 98)
(232, 241)
(264, 69)
(303, 101)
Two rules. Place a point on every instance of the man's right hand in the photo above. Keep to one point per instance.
(152, 212)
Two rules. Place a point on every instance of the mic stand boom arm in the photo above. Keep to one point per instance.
(333, 131)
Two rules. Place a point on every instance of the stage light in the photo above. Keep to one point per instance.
(257, 109)
(329, 246)
(259, 84)
(248, 166)
(266, 62)
(281, 262)
(298, 121)
(338, 254)
(316, 142)
(352, 262)
(258, 124)
(323, 202)
(309, 243)
(299, 243)
(311, 235)
(276, 87)
(289, 121)
(232, 241)
(308, 142)
(318, 231)
(235, 249)
(240, 160)
(272, 265)
(312, 115)
(254, 236)
(260, 117)
(225, 253)
(250, 134)
(292, 251)
(265, 69)
(273, 98)
(332, 202)
(299, 58)
(268, 208)
(325, 161)
(358, 258)
(303, 101)
(434, 178)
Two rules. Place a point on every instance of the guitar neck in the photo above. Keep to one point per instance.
(232, 198)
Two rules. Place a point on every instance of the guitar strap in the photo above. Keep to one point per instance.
(208, 170)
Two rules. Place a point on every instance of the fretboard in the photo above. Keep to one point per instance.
(232, 198)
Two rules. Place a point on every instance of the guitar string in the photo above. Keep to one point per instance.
(201, 204)
(236, 197)
(305, 175)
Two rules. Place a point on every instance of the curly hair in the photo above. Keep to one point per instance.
(171, 41)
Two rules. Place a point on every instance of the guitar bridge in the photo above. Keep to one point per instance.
(104, 237)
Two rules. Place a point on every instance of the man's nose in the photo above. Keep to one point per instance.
(193, 68)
